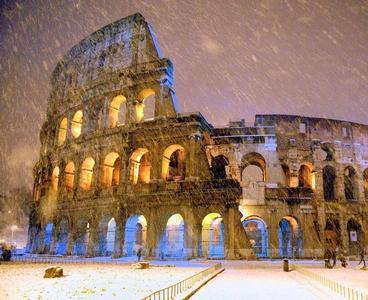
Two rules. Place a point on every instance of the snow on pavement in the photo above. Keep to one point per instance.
(260, 280)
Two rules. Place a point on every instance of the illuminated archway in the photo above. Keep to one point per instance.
(145, 108)
(173, 163)
(77, 124)
(111, 170)
(173, 238)
(117, 111)
(106, 236)
(306, 177)
(69, 176)
(290, 237)
(254, 159)
(55, 178)
(257, 232)
(213, 236)
(135, 234)
(140, 166)
(62, 131)
(110, 237)
(86, 173)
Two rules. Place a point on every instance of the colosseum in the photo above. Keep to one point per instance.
(121, 169)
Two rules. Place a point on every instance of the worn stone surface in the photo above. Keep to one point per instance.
(53, 272)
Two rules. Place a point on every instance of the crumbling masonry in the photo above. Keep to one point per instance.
(121, 169)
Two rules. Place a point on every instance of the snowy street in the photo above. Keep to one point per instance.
(266, 280)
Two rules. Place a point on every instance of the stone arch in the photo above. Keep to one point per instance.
(69, 173)
(173, 163)
(63, 127)
(86, 173)
(329, 178)
(140, 166)
(350, 184)
(329, 150)
(55, 179)
(172, 241)
(254, 159)
(213, 236)
(306, 176)
(111, 170)
(257, 233)
(135, 234)
(290, 237)
(145, 106)
(77, 123)
(355, 237)
(117, 111)
(365, 183)
(62, 241)
(110, 237)
(106, 223)
(219, 164)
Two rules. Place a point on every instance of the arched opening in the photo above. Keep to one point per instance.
(213, 236)
(81, 237)
(329, 177)
(55, 179)
(286, 171)
(145, 108)
(110, 237)
(290, 237)
(332, 234)
(117, 111)
(77, 124)
(218, 166)
(86, 173)
(257, 233)
(69, 176)
(62, 131)
(48, 236)
(111, 170)
(350, 185)
(135, 234)
(62, 237)
(365, 183)
(173, 163)
(106, 236)
(356, 237)
(306, 177)
(257, 160)
(172, 240)
(140, 166)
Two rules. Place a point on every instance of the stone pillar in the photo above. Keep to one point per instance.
(55, 236)
(229, 234)
(273, 237)
(157, 157)
(119, 237)
(71, 240)
(344, 235)
(41, 241)
(340, 186)
(92, 239)
(191, 236)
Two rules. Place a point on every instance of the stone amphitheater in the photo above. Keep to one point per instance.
(121, 169)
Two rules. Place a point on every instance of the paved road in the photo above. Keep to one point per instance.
(260, 280)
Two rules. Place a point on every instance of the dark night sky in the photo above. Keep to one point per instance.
(232, 59)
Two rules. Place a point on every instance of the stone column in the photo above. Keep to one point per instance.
(273, 238)
(229, 234)
(55, 236)
(71, 240)
(41, 241)
(92, 239)
(191, 236)
(119, 237)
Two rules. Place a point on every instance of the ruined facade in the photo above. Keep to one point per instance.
(120, 168)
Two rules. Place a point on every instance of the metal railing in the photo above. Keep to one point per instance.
(334, 286)
(172, 291)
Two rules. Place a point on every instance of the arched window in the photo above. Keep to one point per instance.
(69, 176)
(350, 183)
(55, 178)
(111, 170)
(145, 108)
(218, 166)
(213, 236)
(62, 131)
(86, 173)
(135, 234)
(173, 163)
(77, 124)
(329, 177)
(172, 241)
(117, 111)
(140, 166)
(290, 237)
(257, 160)
(365, 182)
(305, 177)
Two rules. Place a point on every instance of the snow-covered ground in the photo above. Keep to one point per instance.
(266, 280)
(90, 281)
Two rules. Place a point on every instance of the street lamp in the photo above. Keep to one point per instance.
(13, 228)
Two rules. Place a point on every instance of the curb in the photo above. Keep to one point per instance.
(189, 293)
